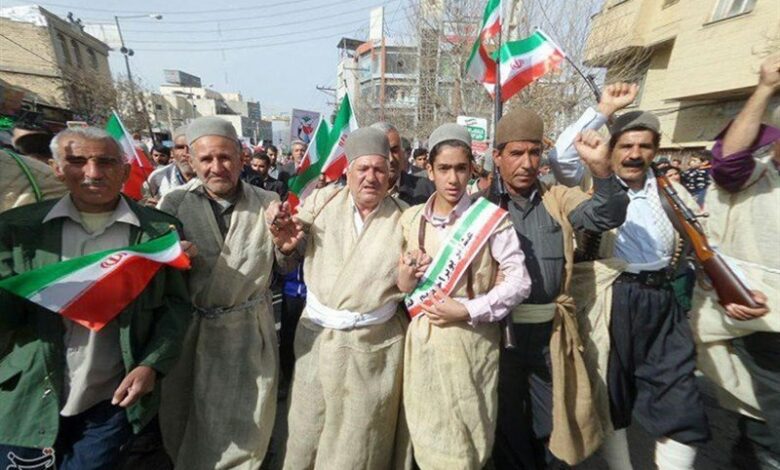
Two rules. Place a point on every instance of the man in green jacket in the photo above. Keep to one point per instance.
(71, 396)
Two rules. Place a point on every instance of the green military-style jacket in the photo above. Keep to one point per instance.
(32, 351)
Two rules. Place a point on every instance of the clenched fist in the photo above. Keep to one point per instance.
(617, 96)
(594, 151)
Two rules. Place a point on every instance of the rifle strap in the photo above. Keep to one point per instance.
(683, 246)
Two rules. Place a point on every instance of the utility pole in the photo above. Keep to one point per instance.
(127, 53)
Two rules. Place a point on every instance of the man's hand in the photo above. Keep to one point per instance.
(594, 151)
(151, 201)
(743, 313)
(443, 309)
(770, 72)
(189, 248)
(617, 96)
(136, 384)
(411, 268)
(285, 231)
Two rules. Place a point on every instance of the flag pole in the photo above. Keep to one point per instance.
(498, 105)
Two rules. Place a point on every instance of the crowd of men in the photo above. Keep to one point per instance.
(574, 311)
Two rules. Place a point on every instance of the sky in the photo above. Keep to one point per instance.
(272, 51)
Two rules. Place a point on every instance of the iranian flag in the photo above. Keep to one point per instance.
(481, 65)
(325, 154)
(140, 166)
(524, 61)
(91, 290)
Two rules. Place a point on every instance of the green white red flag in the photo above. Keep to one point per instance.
(325, 154)
(91, 290)
(524, 61)
(469, 234)
(140, 166)
(481, 65)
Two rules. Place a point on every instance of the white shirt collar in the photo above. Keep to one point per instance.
(648, 188)
(360, 223)
(64, 208)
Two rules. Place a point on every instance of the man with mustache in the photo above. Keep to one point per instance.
(540, 379)
(642, 356)
(164, 179)
(67, 393)
(346, 390)
(219, 401)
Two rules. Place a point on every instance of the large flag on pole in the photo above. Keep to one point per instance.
(524, 61)
(481, 65)
(93, 289)
(325, 154)
(140, 166)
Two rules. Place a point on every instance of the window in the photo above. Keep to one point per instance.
(93, 59)
(729, 8)
(64, 48)
(76, 52)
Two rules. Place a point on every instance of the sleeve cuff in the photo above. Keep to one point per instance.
(609, 185)
(479, 310)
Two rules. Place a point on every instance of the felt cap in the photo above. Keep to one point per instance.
(520, 124)
(210, 125)
(449, 131)
(178, 132)
(366, 141)
(635, 120)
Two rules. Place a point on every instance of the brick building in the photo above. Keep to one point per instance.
(52, 59)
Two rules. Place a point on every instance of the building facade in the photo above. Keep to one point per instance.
(51, 58)
(178, 103)
(695, 60)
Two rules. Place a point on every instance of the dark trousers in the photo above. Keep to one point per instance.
(90, 440)
(525, 401)
(651, 364)
(760, 352)
(292, 307)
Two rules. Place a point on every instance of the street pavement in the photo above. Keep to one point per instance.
(715, 455)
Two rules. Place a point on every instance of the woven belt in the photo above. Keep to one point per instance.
(211, 313)
(648, 278)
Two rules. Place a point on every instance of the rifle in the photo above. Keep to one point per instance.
(728, 287)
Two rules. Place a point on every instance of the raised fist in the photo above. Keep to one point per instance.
(594, 151)
(617, 96)
(770, 72)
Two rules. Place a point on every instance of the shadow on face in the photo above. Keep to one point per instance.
(368, 180)
(632, 154)
(94, 172)
(217, 162)
(518, 164)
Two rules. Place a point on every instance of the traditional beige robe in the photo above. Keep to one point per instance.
(744, 226)
(451, 373)
(345, 409)
(219, 401)
(15, 187)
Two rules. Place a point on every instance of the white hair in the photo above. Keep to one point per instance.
(87, 133)
(384, 126)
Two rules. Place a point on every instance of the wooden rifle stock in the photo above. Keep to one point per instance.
(728, 287)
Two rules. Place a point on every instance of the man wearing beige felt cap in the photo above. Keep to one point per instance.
(219, 402)
(346, 389)
(539, 419)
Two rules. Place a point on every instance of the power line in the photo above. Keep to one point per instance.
(48, 61)
(240, 18)
(254, 46)
(266, 36)
(297, 21)
(171, 12)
